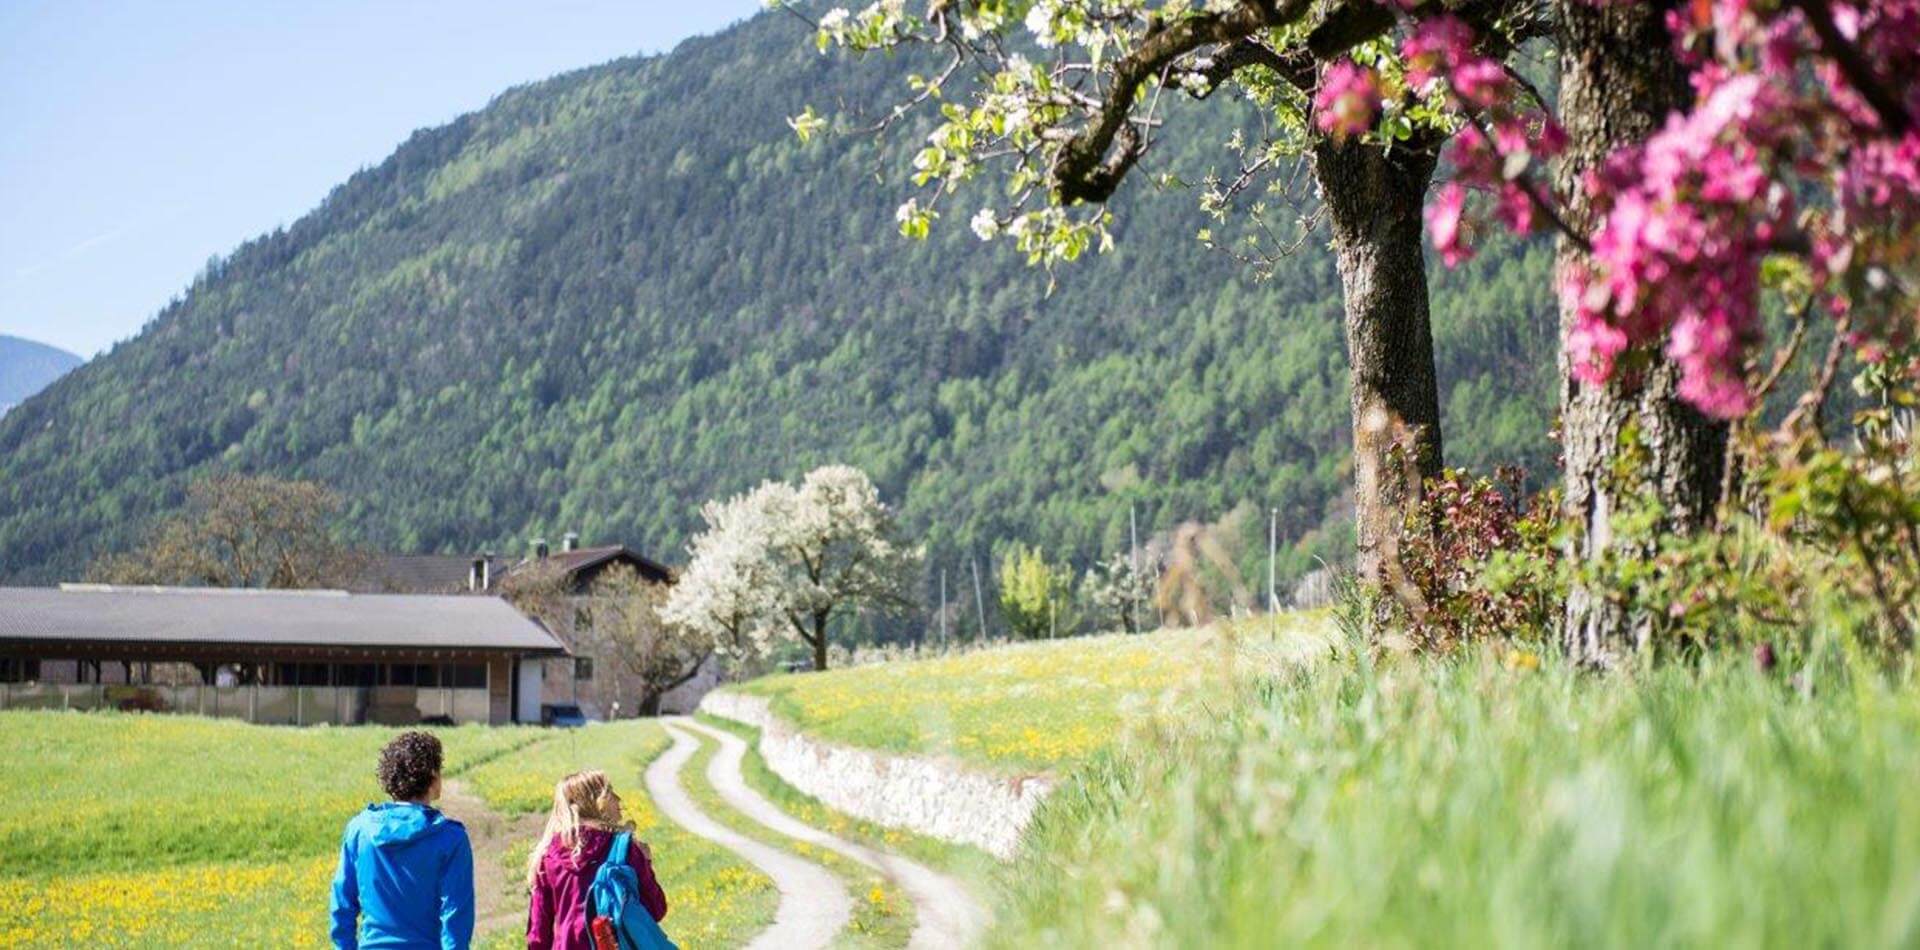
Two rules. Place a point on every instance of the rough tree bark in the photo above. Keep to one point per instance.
(1373, 200)
(1619, 81)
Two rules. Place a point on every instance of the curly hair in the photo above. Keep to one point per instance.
(409, 764)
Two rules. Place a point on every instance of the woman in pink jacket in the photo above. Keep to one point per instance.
(585, 817)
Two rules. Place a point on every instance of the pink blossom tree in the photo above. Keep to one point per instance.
(1705, 155)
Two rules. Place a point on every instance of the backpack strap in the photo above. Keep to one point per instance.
(617, 851)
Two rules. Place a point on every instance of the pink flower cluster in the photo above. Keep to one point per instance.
(1496, 151)
(1765, 163)
(1348, 100)
(1686, 218)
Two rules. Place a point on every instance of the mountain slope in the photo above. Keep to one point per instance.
(612, 295)
(27, 367)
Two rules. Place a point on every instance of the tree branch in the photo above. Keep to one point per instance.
(1095, 159)
(1859, 72)
(1295, 66)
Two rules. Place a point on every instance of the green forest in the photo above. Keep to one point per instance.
(612, 295)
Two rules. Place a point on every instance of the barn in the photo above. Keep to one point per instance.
(272, 656)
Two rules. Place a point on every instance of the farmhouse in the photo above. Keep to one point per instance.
(556, 586)
(296, 657)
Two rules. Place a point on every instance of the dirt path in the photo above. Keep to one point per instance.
(948, 915)
(814, 906)
(499, 900)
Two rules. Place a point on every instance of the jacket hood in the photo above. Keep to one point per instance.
(398, 823)
(594, 843)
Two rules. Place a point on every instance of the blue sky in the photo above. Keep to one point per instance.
(137, 140)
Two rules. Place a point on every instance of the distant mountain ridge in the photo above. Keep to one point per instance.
(26, 367)
(609, 296)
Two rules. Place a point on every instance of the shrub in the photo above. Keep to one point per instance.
(1036, 596)
(1474, 561)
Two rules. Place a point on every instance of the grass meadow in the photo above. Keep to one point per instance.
(1043, 705)
(158, 831)
(1495, 799)
(1251, 786)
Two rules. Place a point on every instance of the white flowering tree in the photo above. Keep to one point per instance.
(1121, 589)
(783, 560)
(726, 591)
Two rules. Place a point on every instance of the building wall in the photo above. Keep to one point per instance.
(500, 690)
(610, 686)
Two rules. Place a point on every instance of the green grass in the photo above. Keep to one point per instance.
(155, 831)
(882, 915)
(1480, 802)
(111, 791)
(1036, 706)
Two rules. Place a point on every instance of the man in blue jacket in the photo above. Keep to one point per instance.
(406, 870)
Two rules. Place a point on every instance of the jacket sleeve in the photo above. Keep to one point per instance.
(540, 909)
(651, 896)
(346, 898)
(456, 896)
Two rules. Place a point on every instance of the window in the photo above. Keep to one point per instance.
(19, 671)
(355, 674)
(468, 676)
(582, 620)
(583, 667)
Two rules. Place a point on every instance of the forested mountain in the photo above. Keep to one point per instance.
(27, 367)
(611, 295)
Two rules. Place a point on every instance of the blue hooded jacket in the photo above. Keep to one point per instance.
(405, 881)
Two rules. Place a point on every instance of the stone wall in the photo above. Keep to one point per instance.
(934, 797)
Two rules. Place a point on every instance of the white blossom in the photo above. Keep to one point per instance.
(1040, 23)
(985, 225)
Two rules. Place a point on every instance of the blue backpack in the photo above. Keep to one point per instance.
(615, 895)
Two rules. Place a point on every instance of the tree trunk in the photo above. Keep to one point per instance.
(650, 703)
(820, 640)
(1373, 199)
(1619, 81)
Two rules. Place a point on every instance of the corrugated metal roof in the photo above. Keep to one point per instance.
(278, 618)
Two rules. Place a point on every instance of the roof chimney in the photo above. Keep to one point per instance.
(570, 541)
(539, 549)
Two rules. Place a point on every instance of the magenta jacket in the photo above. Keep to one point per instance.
(557, 912)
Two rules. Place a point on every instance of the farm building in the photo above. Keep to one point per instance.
(298, 657)
(593, 678)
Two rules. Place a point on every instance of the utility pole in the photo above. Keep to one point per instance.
(1133, 564)
(979, 600)
(1273, 546)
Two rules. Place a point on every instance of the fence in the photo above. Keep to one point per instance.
(276, 705)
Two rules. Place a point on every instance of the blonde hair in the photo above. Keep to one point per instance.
(581, 800)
